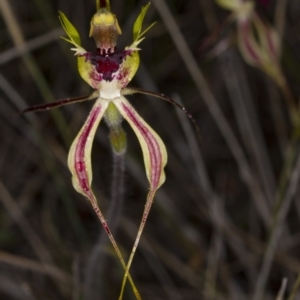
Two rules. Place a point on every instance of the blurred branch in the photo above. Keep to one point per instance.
(30, 45)
(208, 97)
(277, 231)
(295, 288)
(35, 266)
(34, 70)
(280, 17)
(15, 212)
(247, 120)
(282, 290)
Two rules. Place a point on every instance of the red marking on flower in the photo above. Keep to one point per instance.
(123, 77)
(80, 166)
(106, 63)
(95, 77)
(107, 67)
(106, 228)
(153, 147)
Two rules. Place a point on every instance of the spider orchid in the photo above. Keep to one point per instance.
(108, 71)
(259, 45)
(257, 40)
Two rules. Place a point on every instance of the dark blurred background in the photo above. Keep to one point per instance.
(225, 225)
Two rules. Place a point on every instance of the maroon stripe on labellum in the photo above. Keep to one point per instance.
(80, 166)
(153, 147)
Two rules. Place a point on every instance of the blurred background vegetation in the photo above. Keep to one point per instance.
(225, 225)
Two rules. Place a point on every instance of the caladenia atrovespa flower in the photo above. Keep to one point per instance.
(259, 45)
(257, 40)
(108, 71)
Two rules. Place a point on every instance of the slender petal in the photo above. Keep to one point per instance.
(155, 159)
(79, 162)
(79, 159)
(154, 151)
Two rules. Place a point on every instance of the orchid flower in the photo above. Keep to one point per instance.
(257, 40)
(108, 71)
(259, 45)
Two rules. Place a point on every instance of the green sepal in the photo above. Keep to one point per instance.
(70, 30)
(137, 27)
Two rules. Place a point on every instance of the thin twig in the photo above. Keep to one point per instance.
(16, 33)
(276, 232)
(240, 96)
(282, 290)
(280, 16)
(28, 46)
(16, 214)
(35, 266)
(295, 288)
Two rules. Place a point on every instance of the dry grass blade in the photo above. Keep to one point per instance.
(277, 231)
(35, 266)
(16, 213)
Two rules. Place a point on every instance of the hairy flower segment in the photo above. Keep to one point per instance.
(109, 70)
